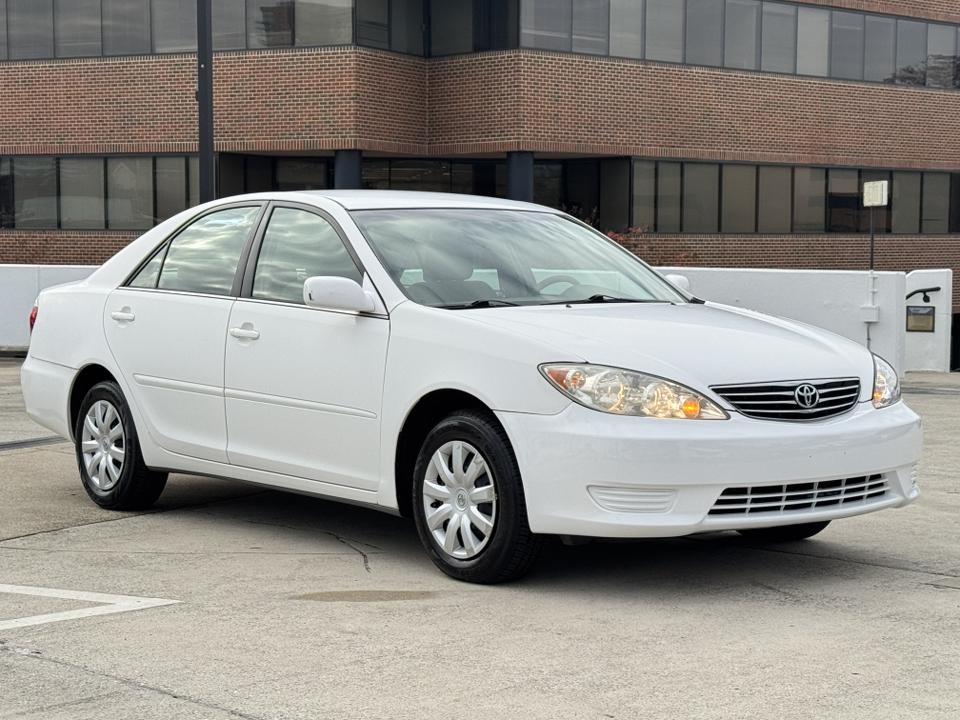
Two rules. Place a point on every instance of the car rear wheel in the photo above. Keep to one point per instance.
(468, 501)
(784, 533)
(108, 453)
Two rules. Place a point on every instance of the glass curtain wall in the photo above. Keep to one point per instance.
(95, 192)
(696, 197)
(765, 35)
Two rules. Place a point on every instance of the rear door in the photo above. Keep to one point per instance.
(168, 326)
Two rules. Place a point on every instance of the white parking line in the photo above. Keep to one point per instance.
(110, 604)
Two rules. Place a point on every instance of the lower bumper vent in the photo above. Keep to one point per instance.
(799, 496)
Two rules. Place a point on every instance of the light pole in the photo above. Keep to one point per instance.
(205, 100)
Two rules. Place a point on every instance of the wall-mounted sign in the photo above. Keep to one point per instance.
(875, 193)
(921, 318)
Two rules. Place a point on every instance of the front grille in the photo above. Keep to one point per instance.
(799, 496)
(778, 400)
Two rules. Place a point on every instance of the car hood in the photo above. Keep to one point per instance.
(699, 345)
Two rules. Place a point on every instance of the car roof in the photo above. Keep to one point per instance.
(401, 199)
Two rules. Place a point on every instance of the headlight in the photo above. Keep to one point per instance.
(886, 384)
(624, 392)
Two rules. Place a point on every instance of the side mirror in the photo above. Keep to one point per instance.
(337, 293)
(680, 281)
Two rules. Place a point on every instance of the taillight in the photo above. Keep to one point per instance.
(33, 316)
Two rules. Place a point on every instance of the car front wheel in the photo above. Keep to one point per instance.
(468, 501)
(784, 533)
(108, 453)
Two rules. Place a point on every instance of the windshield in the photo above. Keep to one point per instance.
(483, 258)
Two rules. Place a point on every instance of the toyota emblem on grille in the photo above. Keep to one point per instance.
(807, 396)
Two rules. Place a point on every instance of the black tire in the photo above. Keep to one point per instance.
(509, 549)
(784, 533)
(116, 484)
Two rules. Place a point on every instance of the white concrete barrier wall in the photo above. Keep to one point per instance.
(931, 350)
(830, 299)
(824, 298)
(19, 287)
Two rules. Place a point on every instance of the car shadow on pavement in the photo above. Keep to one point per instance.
(713, 563)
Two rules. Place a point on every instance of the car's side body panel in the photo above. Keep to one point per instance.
(433, 349)
(175, 369)
(304, 397)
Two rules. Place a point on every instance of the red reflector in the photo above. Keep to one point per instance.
(33, 317)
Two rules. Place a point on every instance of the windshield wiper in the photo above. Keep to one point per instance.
(604, 298)
(480, 304)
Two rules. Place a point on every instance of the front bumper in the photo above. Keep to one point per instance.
(594, 474)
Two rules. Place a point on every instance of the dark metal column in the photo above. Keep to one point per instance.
(520, 176)
(205, 100)
(348, 170)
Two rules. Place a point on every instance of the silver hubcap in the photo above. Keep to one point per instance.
(103, 445)
(459, 500)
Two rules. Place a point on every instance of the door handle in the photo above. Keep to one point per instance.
(123, 316)
(244, 333)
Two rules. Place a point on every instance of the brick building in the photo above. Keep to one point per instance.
(725, 132)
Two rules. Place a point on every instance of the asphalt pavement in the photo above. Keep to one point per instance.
(228, 601)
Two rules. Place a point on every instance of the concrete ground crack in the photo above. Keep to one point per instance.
(349, 542)
(35, 655)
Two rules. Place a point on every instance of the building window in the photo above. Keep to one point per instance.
(175, 26)
(905, 203)
(809, 208)
(590, 27)
(881, 215)
(935, 206)
(546, 24)
(323, 22)
(843, 200)
(778, 38)
(30, 29)
(94, 192)
(668, 197)
(941, 55)
(813, 41)
(77, 28)
(171, 184)
(129, 193)
(644, 195)
(880, 42)
(705, 32)
(373, 23)
(3, 29)
(126, 27)
(911, 52)
(82, 193)
(301, 174)
(626, 28)
(35, 192)
(269, 23)
(451, 27)
(664, 30)
(229, 25)
(773, 212)
(846, 46)
(739, 213)
(701, 195)
(6, 193)
(742, 35)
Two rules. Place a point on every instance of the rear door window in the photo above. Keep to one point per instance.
(204, 257)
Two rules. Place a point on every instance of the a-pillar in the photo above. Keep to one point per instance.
(520, 176)
(348, 170)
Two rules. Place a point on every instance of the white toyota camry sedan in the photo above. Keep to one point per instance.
(496, 370)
